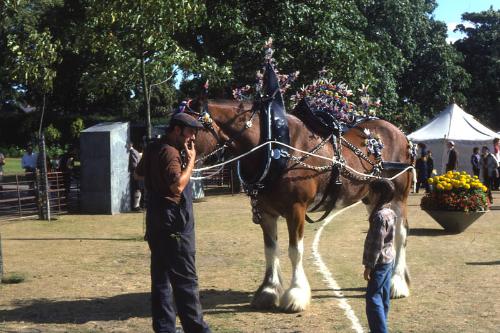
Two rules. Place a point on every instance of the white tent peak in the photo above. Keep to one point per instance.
(455, 124)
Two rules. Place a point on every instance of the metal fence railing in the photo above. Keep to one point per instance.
(225, 179)
(20, 195)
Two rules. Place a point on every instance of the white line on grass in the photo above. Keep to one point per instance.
(327, 276)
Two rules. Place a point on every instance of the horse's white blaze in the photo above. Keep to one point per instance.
(298, 296)
(399, 286)
(328, 277)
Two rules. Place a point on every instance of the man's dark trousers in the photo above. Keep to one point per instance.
(173, 270)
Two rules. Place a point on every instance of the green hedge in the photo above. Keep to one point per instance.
(12, 151)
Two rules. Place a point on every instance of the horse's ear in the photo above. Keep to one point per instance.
(241, 107)
(204, 93)
(202, 98)
(197, 104)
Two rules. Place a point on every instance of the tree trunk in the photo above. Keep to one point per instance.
(146, 98)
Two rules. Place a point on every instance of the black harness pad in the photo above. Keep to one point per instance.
(273, 126)
(279, 124)
(320, 122)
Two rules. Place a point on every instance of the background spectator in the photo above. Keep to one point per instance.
(489, 167)
(2, 163)
(452, 157)
(29, 160)
(66, 166)
(422, 149)
(430, 164)
(135, 186)
(496, 155)
(475, 159)
(422, 173)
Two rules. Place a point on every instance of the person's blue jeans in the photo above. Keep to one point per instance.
(378, 294)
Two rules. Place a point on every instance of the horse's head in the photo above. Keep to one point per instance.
(210, 140)
(238, 121)
(227, 123)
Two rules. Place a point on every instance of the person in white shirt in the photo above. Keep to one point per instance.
(29, 163)
(29, 160)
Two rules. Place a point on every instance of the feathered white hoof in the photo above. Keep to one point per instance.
(295, 299)
(267, 297)
(399, 287)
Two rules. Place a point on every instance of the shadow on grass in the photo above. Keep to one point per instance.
(484, 263)
(79, 311)
(343, 291)
(137, 238)
(119, 307)
(428, 232)
(230, 301)
(226, 301)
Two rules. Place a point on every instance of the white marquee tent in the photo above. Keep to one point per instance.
(454, 124)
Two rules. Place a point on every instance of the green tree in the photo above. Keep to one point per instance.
(52, 134)
(134, 42)
(32, 54)
(419, 72)
(481, 51)
(76, 127)
(434, 77)
(388, 44)
(308, 35)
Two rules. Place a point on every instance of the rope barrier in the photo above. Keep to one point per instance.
(208, 176)
(332, 160)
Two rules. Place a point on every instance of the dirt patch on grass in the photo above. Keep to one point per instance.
(91, 274)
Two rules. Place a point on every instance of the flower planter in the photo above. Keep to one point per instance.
(454, 221)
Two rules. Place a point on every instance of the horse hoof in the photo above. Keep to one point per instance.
(399, 287)
(267, 298)
(295, 300)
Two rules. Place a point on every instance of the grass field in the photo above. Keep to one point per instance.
(90, 273)
(12, 166)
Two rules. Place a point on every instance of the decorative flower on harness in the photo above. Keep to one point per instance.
(205, 119)
(183, 105)
(373, 144)
(324, 95)
(327, 96)
(412, 150)
(285, 80)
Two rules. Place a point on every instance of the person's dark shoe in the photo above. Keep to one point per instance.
(137, 209)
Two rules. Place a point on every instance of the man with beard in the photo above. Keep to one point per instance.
(166, 167)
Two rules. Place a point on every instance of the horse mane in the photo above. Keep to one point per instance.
(230, 102)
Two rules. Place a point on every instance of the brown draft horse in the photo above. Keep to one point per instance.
(301, 187)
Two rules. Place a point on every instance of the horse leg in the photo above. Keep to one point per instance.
(298, 296)
(270, 291)
(400, 281)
